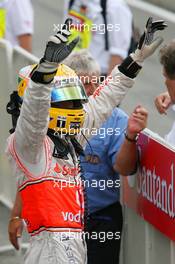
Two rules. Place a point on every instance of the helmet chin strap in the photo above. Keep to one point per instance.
(64, 145)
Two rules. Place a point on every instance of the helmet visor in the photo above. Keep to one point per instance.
(67, 89)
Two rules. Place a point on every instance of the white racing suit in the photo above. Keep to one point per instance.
(50, 188)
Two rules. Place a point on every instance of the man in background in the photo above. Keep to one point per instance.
(166, 99)
(16, 25)
(110, 24)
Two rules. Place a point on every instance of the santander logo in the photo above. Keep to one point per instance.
(158, 190)
(65, 170)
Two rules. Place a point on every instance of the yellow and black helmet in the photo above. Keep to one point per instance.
(66, 86)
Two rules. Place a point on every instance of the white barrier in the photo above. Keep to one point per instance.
(11, 61)
(21, 58)
(149, 226)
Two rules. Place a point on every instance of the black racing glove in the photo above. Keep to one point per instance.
(57, 49)
(146, 47)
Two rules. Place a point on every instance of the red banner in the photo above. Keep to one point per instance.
(152, 195)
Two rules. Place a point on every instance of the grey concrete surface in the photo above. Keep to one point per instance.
(46, 14)
(168, 4)
(148, 85)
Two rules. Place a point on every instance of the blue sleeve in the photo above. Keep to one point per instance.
(119, 122)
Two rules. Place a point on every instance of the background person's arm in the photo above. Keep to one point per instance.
(113, 61)
(162, 102)
(127, 156)
(22, 22)
(118, 15)
(25, 42)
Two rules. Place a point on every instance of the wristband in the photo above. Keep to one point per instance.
(14, 218)
(129, 67)
(43, 77)
(133, 140)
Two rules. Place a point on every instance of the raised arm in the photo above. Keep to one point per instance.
(33, 121)
(112, 91)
